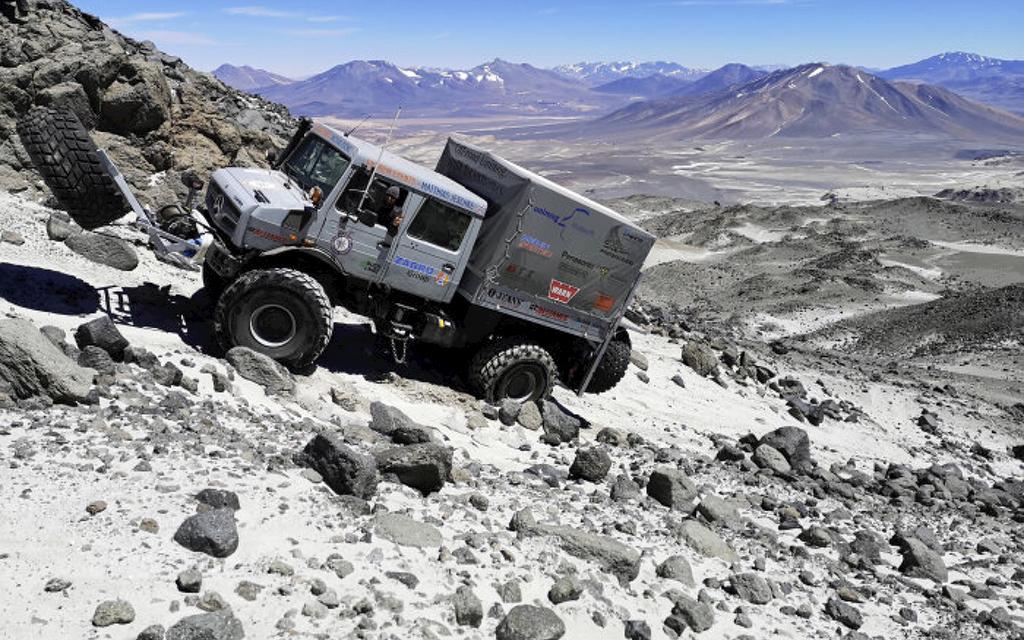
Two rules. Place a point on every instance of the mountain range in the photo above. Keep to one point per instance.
(824, 101)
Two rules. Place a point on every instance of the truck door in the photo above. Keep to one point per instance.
(362, 249)
(432, 250)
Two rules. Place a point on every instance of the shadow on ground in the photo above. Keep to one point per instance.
(46, 290)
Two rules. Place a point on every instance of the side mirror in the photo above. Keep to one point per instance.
(367, 218)
(272, 156)
(191, 180)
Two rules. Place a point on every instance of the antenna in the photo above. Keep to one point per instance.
(380, 156)
(358, 124)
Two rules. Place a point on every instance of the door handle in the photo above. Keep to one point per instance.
(448, 267)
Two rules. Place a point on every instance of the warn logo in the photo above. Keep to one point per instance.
(562, 292)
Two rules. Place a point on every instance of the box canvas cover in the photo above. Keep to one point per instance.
(543, 251)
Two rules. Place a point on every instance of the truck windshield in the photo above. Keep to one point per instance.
(314, 163)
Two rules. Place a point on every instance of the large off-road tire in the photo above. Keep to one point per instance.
(282, 313)
(512, 367)
(614, 364)
(65, 155)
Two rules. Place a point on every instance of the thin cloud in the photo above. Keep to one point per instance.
(727, 3)
(258, 11)
(316, 33)
(176, 37)
(145, 17)
(328, 19)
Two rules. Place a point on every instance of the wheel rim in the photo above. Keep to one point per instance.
(522, 382)
(272, 325)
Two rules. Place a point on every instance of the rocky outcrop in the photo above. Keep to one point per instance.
(30, 365)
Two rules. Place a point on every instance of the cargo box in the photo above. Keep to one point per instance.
(544, 253)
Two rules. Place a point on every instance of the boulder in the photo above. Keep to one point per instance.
(405, 531)
(104, 249)
(102, 333)
(591, 464)
(700, 358)
(30, 365)
(688, 613)
(672, 488)
(705, 541)
(919, 561)
(426, 466)
(469, 611)
(609, 554)
(529, 417)
(261, 369)
(527, 622)
(793, 443)
(138, 102)
(212, 532)
(219, 499)
(751, 587)
(676, 568)
(345, 470)
(557, 423)
(768, 457)
(113, 612)
(219, 625)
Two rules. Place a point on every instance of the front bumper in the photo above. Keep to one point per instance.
(222, 261)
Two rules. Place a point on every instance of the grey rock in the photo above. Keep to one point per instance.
(816, 536)
(408, 579)
(12, 237)
(281, 568)
(56, 585)
(386, 420)
(59, 226)
(624, 489)
(672, 488)
(591, 464)
(529, 417)
(700, 358)
(344, 470)
(565, 589)
(637, 630)
(919, 561)
(609, 554)
(695, 615)
(527, 622)
(768, 457)
(705, 541)
(104, 249)
(751, 587)
(715, 509)
(189, 581)
(96, 359)
(103, 333)
(219, 499)
(676, 568)
(341, 567)
(113, 612)
(612, 437)
(152, 632)
(213, 533)
(425, 466)
(31, 365)
(509, 592)
(248, 590)
(469, 611)
(508, 411)
(261, 369)
(793, 443)
(406, 532)
(219, 625)
(557, 423)
(212, 601)
(843, 613)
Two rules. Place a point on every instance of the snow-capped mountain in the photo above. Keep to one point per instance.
(815, 100)
(246, 78)
(991, 80)
(601, 73)
(377, 86)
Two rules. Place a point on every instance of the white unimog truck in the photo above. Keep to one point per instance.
(526, 279)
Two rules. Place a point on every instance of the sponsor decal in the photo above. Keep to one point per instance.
(443, 278)
(564, 222)
(505, 297)
(575, 265)
(620, 243)
(417, 267)
(535, 245)
(273, 237)
(550, 314)
(604, 303)
(562, 291)
(371, 266)
(342, 244)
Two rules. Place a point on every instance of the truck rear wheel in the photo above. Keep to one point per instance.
(513, 367)
(613, 365)
(282, 313)
(65, 155)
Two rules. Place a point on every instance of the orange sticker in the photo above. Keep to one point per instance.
(604, 303)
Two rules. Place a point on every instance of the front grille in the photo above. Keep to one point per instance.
(222, 210)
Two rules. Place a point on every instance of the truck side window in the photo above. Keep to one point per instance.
(440, 225)
(349, 200)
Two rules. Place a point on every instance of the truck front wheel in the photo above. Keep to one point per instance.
(282, 313)
(513, 367)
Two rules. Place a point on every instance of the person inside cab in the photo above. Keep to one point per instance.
(389, 214)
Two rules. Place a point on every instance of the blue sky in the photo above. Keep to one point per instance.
(302, 37)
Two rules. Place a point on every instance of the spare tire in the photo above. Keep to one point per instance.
(65, 155)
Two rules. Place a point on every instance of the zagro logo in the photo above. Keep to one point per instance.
(565, 222)
(535, 245)
(418, 267)
(562, 291)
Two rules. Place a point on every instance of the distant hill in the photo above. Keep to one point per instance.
(721, 78)
(990, 80)
(653, 86)
(596, 74)
(378, 86)
(814, 100)
(246, 78)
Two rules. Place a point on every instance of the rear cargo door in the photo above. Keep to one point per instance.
(432, 251)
